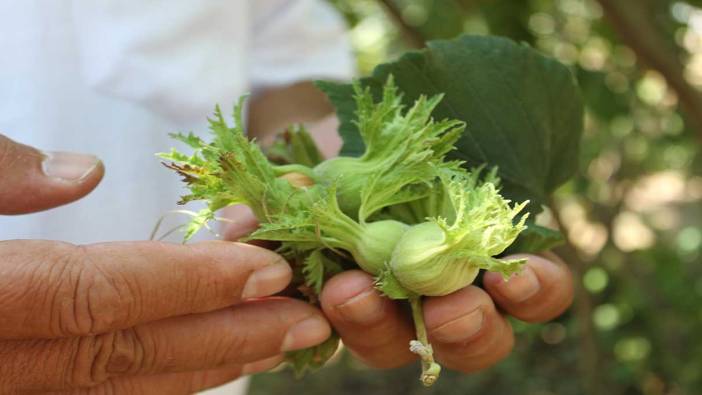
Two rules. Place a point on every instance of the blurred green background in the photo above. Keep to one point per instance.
(632, 214)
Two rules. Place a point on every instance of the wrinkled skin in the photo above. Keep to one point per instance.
(132, 317)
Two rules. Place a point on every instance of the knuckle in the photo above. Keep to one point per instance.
(243, 345)
(91, 300)
(119, 387)
(215, 347)
(106, 388)
(197, 381)
(207, 284)
(67, 293)
(54, 279)
(104, 356)
(18, 283)
(249, 343)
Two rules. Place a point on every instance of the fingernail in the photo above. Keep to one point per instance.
(364, 308)
(519, 287)
(306, 333)
(461, 328)
(267, 280)
(68, 166)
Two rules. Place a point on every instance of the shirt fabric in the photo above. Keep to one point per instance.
(114, 77)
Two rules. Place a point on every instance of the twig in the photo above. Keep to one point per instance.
(410, 33)
(589, 356)
(631, 20)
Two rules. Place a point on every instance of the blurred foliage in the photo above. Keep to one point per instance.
(633, 212)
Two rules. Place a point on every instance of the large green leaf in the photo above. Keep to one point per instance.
(523, 110)
(535, 238)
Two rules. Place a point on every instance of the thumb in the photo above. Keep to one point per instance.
(31, 180)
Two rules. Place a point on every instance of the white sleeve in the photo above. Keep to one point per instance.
(295, 40)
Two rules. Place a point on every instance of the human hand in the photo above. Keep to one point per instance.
(467, 329)
(132, 317)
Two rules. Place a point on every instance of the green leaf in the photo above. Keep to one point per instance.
(312, 358)
(303, 149)
(295, 145)
(317, 267)
(536, 238)
(189, 139)
(199, 220)
(313, 270)
(286, 228)
(523, 110)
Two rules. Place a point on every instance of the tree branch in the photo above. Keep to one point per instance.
(588, 363)
(631, 20)
(411, 34)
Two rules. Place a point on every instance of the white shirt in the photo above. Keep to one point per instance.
(114, 77)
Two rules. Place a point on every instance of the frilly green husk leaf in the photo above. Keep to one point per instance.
(445, 253)
(386, 283)
(316, 267)
(403, 149)
(295, 146)
(523, 110)
(459, 220)
(230, 170)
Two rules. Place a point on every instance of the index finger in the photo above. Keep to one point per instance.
(52, 289)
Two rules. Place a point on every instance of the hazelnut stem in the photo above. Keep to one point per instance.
(421, 346)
